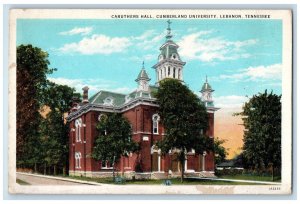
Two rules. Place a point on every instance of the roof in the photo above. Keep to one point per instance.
(100, 97)
(206, 87)
(118, 99)
(143, 75)
(172, 49)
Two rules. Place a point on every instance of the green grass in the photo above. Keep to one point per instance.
(21, 182)
(175, 181)
(251, 177)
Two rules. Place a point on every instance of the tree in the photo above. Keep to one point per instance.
(54, 127)
(114, 139)
(220, 151)
(32, 67)
(185, 120)
(262, 136)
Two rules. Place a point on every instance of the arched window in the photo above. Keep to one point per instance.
(77, 160)
(78, 124)
(155, 119)
(174, 70)
(169, 71)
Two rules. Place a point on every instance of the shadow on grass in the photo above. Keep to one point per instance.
(21, 182)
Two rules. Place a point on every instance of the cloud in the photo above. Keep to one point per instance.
(149, 40)
(200, 46)
(230, 102)
(94, 85)
(77, 30)
(97, 44)
(262, 72)
(145, 58)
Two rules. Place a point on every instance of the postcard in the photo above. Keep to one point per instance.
(150, 101)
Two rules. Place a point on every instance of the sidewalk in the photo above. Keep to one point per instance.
(61, 179)
(238, 180)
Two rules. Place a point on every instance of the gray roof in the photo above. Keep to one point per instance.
(119, 98)
(143, 75)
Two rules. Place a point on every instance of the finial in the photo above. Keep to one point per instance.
(143, 65)
(169, 35)
(206, 79)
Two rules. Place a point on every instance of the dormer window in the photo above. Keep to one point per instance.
(160, 58)
(108, 101)
(127, 98)
(174, 56)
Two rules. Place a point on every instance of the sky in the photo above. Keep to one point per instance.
(239, 57)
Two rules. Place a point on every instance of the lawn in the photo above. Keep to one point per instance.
(21, 182)
(250, 177)
(174, 181)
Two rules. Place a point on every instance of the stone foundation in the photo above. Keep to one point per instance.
(141, 176)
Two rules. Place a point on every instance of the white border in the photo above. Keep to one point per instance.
(197, 189)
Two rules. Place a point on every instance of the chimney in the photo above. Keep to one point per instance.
(85, 96)
(75, 103)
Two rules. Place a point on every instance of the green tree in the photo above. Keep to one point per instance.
(185, 120)
(55, 128)
(114, 139)
(262, 136)
(220, 151)
(32, 67)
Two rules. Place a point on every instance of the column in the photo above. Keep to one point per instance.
(203, 161)
(176, 72)
(159, 161)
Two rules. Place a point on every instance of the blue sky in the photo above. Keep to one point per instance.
(240, 57)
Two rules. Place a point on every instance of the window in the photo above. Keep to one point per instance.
(155, 119)
(179, 70)
(77, 160)
(106, 165)
(108, 101)
(169, 71)
(174, 70)
(78, 124)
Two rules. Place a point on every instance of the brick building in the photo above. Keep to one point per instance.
(141, 109)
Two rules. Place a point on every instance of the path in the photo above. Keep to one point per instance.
(37, 179)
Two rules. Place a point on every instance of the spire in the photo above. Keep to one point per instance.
(143, 74)
(206, 86)
(169, 35)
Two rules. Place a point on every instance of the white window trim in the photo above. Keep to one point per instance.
(111, 101)
(106, 167)
(77, 160)
(78, 125)
(155, 122)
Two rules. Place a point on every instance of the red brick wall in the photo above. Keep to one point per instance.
(140, 118)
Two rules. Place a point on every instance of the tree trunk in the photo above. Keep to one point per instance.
(45, 169)
(54, 170)
(182, 160)
(35, 168)
(272, 172)
(113, 165)
(64, 171)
